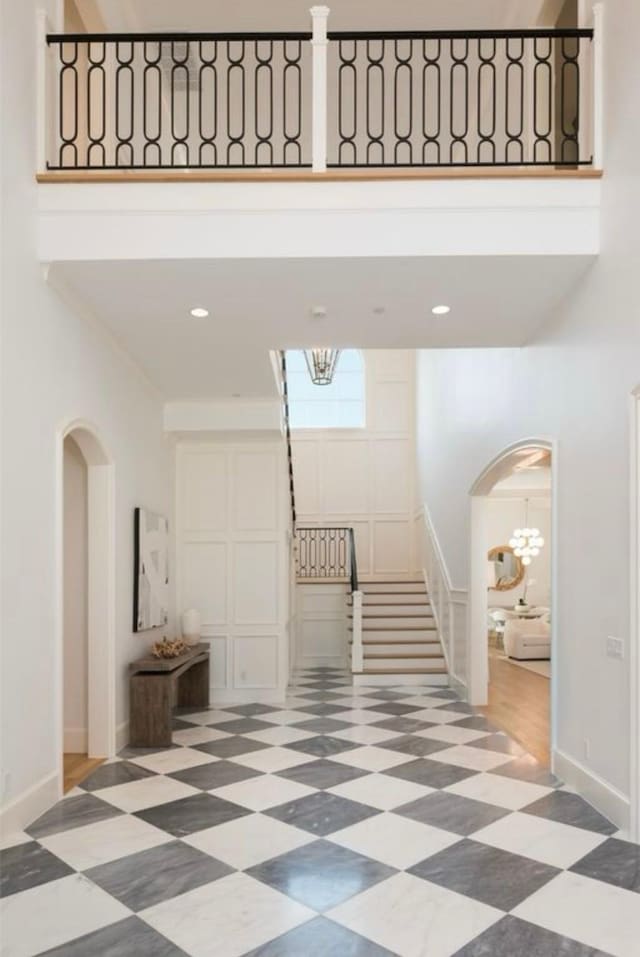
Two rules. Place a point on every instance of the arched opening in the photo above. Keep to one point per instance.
(512, 593)
(86, 711)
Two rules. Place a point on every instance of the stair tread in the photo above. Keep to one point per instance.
(400, 628)
(403, 671)
(393, 656)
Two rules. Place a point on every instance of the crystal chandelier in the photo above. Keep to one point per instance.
(526, 542)
(321, 364)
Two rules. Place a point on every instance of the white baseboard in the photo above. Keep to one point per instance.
(222, 696)
(458, 686)
(321, 661)
(29, 805)
(603, 796)
(122, 736)
(75, 740)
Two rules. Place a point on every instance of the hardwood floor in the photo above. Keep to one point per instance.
(77, 767)
(519, 704)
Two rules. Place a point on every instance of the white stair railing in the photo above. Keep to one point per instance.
(357, 656)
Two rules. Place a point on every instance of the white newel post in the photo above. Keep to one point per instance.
(357, 659)
(598, 86)
(319, 47)
(44, 80)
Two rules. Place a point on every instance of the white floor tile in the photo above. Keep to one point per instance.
(263, 792)
(198, 735)
(52, 914)
(280, 734)
(394, 840)
(476, 759)
(494, 789)
(355, 701)
(286, 717)
(175, 759)
(436, 715)
(550, 842)
(271, 760)
(358, 716)
(13, 839)
(451, 733)
(381, 791)
(207, 717)
(414, 918)
(136, 795)
(226, 918)
(249, 840)
(371, 758)
(84, 847)
(365, 734)
(596, 914)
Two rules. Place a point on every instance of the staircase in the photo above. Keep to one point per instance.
(399, 636)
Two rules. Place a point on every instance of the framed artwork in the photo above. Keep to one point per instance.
(151, 570)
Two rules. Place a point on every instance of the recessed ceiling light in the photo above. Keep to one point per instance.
(319, 312)
(378, 310)
(199, 312)
(441, 310)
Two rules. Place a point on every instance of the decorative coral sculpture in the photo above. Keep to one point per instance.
(169, 648)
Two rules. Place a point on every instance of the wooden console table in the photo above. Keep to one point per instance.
(157, 686)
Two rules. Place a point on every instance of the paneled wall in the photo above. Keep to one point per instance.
(321, 626)
(232, 559)
(365, 477)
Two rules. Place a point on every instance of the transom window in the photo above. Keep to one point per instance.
(340, 405)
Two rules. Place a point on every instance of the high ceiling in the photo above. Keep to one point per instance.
(259, 305)
(221, 15)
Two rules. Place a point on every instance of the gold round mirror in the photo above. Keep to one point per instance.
(505, 570)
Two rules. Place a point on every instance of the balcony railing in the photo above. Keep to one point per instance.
(321, 100)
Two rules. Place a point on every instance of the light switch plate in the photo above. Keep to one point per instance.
(615, 647)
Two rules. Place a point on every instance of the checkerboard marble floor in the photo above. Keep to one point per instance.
(356, 822)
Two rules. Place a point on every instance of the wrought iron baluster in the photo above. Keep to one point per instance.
(459, 68)
(486, 76)
(292, 76)
(569, 112)
(125, 52)
(96, 87)
(431, 111)
(375, 91)
(514, 74)
(403, 69)
(346, 69)
(542, 77)
(68, 86)
(152, 89)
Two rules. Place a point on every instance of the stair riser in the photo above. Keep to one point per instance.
(383, 681)
(398, 648)
(390, 622)
(384, 664)
(419, 598)
(399, 634)
(423, 610)
(375, 588)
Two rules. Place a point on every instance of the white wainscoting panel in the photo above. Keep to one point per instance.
(392, 547)
(321, 626)
(232, 557)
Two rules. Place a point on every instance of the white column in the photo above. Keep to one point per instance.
(44, 81)
(319, 45)
(598, 85)
(357, 657)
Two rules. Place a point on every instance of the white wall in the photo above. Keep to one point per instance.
(365, 477)
(506, 513)
(75, 598)
(56, 368)
(572, 384)
(232, 521)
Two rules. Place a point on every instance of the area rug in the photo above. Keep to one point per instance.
(538, 667)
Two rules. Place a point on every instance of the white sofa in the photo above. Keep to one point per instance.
(528, 638)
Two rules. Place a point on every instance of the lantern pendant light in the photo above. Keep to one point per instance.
(321, 364)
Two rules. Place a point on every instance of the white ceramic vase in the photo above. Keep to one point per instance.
(191, 626)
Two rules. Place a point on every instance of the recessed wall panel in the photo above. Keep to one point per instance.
(204, 580)
(204, 492)
(255, 597)
(255, 479)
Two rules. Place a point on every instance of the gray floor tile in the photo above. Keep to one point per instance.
(498, 742)
(27, 865)
(321, 875)
(388, 694)
(477, 723)
(568, 808)
(485, 873)
(129, 752)
(444, 693)
(191, 814)
(251, 710)
(148, 877)
(320, 938)
(217, 774)
(403, 725)
(72, 812)
(461, 706)
(230, 747)
(526, 768)
(322, 773)
(128, 938)
(320, 695)
(242, 725)
(435, 774)
(512, 937)
(119, 772)
(451, 812)
(411, 744)
(394, 708)
(322, 710)
(321, 813)
(322, 725)
(322, 746)
(179, 724)
(616, 862)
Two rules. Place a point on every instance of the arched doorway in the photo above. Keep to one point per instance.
(85, 639)
(500, 473)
